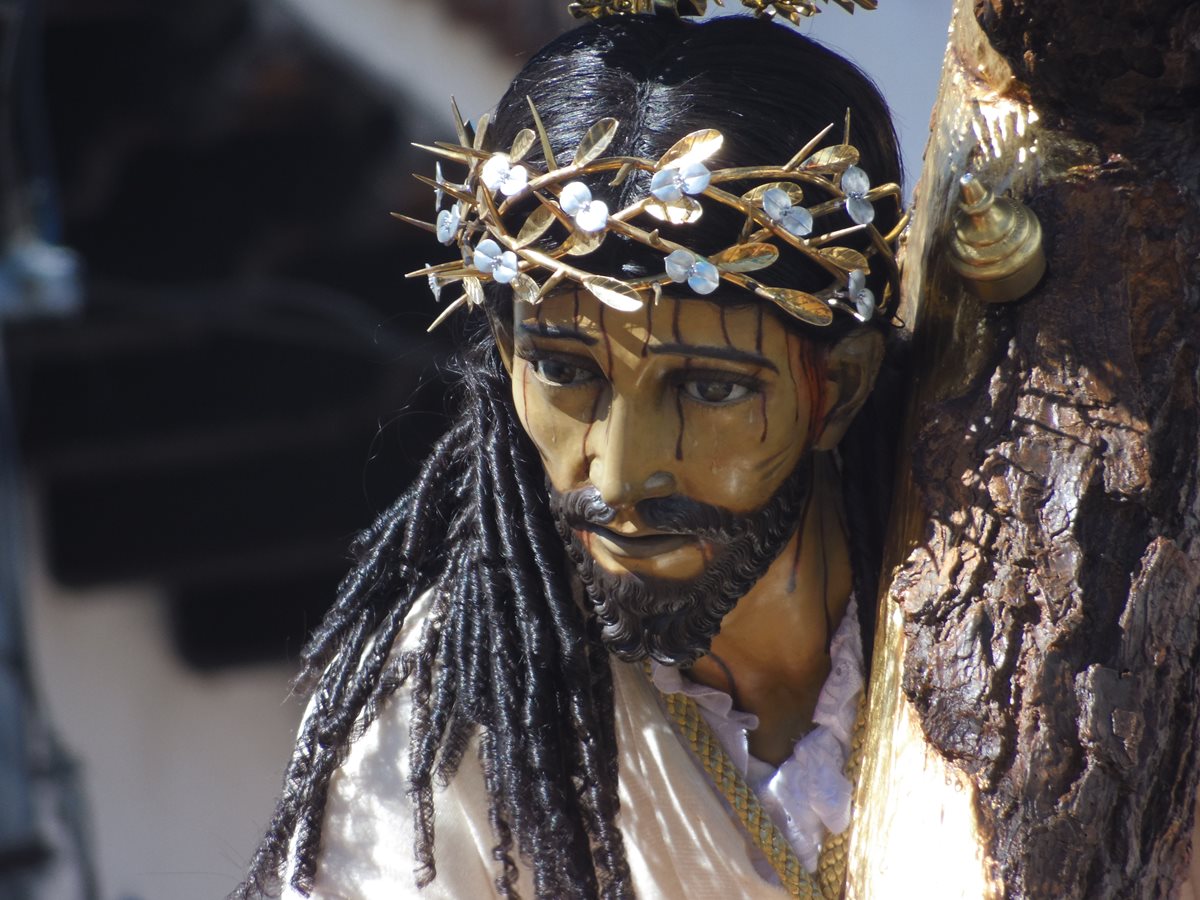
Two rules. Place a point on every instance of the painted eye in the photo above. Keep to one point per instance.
(554, 371)
(715, 392)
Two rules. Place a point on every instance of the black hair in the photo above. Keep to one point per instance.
(506, 652)
(765, 87)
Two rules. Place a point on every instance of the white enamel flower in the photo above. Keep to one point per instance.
(448, 221)
(500, 264)
(500, 174)
(861, 296)
(795, 220)
(576, 201)
(435, 286)
(701, 275)
(856, 184)
(673, 182)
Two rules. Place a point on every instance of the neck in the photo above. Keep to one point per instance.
(772, 652)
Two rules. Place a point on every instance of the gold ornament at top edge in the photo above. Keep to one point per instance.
(490, 251)
(792, 10)
(599, 9)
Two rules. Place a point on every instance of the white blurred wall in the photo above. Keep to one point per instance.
(181, 769)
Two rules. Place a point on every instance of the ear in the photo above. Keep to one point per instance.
(851, 367)
(502, 331)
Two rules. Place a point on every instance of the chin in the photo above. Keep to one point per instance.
(673, 620)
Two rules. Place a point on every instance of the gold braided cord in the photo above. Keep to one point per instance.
(829, 881)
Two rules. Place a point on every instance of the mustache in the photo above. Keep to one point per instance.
(584, 508)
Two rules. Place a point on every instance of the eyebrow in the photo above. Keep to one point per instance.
(727, 353)
(557, 332)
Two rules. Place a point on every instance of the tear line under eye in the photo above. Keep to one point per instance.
(679, 439)
(587, 432)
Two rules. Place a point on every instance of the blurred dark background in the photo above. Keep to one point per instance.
(248, 380)
(212, 375)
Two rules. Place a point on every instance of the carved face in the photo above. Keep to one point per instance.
(666, 434)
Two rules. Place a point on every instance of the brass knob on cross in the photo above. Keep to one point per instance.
(997, 244)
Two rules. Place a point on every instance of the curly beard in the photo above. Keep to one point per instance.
(674, 621)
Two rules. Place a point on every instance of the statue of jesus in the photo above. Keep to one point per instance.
(611, 642)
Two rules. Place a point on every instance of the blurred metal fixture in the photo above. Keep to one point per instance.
(996, 246)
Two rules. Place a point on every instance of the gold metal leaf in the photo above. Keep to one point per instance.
(846, 259)
(598, 137)
(474, 289)
(745, 257)
(535, 226)
(547, 152)
(794, 191)
(581, 242)
(614, 293)
(622, 174)
(798, 304)
(832, 159)
(525, 289)
(695, 147)
(521, 144)
(683, 211)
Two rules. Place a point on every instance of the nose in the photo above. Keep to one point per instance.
(628, 459)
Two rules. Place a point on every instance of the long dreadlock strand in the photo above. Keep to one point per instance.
(600, 802)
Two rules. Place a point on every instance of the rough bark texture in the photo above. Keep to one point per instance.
(1052, 615)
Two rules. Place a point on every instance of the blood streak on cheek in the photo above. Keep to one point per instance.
(608, 350)
(793, 353)
(762, 402)
(679, 439)
(816, 389)
(800, 354)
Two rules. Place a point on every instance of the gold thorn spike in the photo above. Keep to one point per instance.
(427, 226)
(446, 313)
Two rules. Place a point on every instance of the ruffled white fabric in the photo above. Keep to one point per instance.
(809, 795)
(680, 841)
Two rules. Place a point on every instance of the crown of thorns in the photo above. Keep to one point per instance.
(471, 214)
